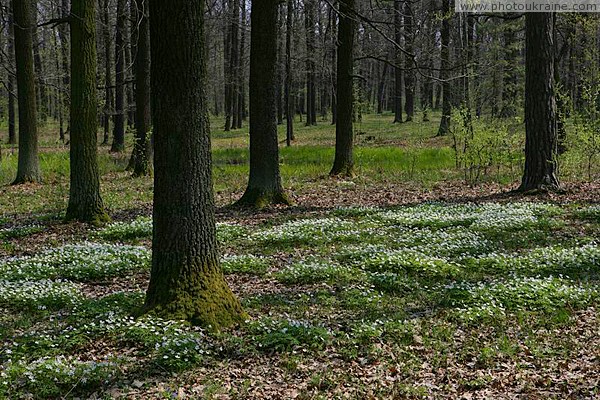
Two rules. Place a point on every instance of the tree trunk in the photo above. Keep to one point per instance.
(289, 108)
(28, 166)
(12, 136)
(241, 109)
(186, 280)
(510, 78)
(344, 135)
(397, 69)
(85, 203)
(381, 89)
(309, 21)
(118, 144)
(234, 66)
(41, 92)
(409, 71)
(445, 70)
(64, 55)
(108, 98)
(142, 150)
(540, 105)
(264, 185)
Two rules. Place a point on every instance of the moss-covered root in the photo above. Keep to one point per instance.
(256, 198)
(208, 303)
(344, 170)
(94, 216)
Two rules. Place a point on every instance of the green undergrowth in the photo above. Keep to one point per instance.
(390, 288)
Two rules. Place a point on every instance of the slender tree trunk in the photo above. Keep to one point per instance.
(41, 92)
(234, 65)
(334, 33)
(118, 144)
(344, 135)
(309, 21)
(241, 84)
(409, 72)
(264, 185)
(130, 54)
(510, 77)
(142, 150)
(186, 281)
(227, 73)
(28, 166)
(280, 67)
(540, 105)
(289, 108)
(85, 203)
(381, 89)
(397, 69)
(12, 136)
(445, 70)
(108, 97)
(63, 35)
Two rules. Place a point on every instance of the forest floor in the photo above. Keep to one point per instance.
(387, 285)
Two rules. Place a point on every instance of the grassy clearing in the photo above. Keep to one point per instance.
(431, 300)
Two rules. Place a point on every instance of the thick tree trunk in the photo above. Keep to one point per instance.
(142, 149)
(85, 203)
(186, 280)
(445, 70)
(118, 144)
(409, 72)
(28, 166)
(397, 69)
(289, 108)
(540, 105)
(344, 135)
(264, 185)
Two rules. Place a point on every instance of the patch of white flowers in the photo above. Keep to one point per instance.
(138, 228)
(307, 231)
(142, 228)
(244, 264)
(19, 231)
(310, 271)
(77, 261)
(493, 299)
(484, 216)
(546, 259)
(39, 294)
(50, 374)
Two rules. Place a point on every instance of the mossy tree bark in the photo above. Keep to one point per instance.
(186, 280)
(142, 149)
(540, 105)
(344, 135)
(28, 169)
(85, 203)
(264, 184)
(118, 143)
